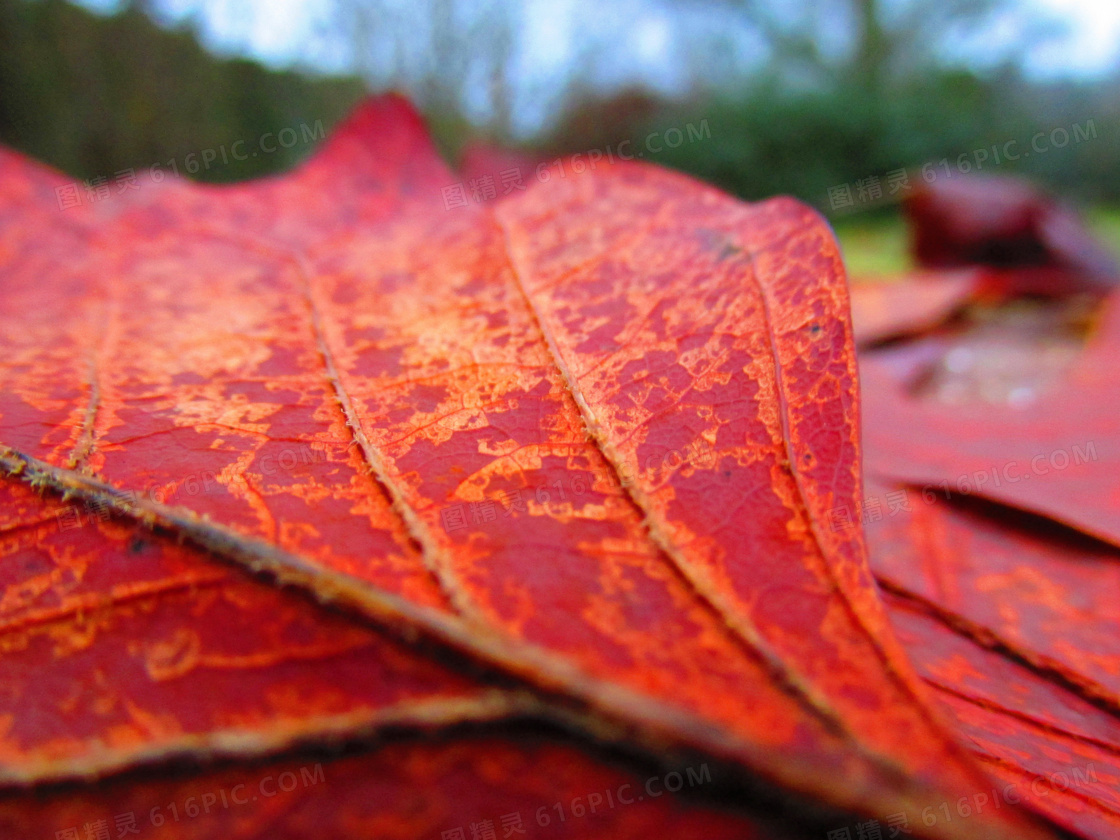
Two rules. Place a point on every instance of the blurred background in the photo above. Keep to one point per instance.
(833, 101)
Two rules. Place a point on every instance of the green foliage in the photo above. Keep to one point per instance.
(767, 143)
(93, 95)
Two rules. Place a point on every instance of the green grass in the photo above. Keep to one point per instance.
(1105, 223)
(874, 246)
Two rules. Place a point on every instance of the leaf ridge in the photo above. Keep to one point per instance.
(1030, 720)
(1092, 802)
(394, 613)
(433, 555)
(1040, 664)
(136, 593)
(907, 686)
(87, 437)
(409, 716)
(602, 711)
(739, 627)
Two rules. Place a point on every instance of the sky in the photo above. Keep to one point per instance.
(275, 31)
(1095, 42)
(1094, 45)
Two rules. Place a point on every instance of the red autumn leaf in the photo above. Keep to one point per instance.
(1005, 222)
(476, 783)
(914, 303)
(1015, 622)
(1057, 456)
(1043, 746)
(979, 240)
(491, 173)
(125, 668)
(1009, 614)
(584, 446)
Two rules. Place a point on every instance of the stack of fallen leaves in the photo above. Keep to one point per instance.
(992, 515)
(334, 508)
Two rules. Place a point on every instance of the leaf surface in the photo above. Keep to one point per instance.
(889, 309)
(587, 442)
(1013, 622)
(1042, 458)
